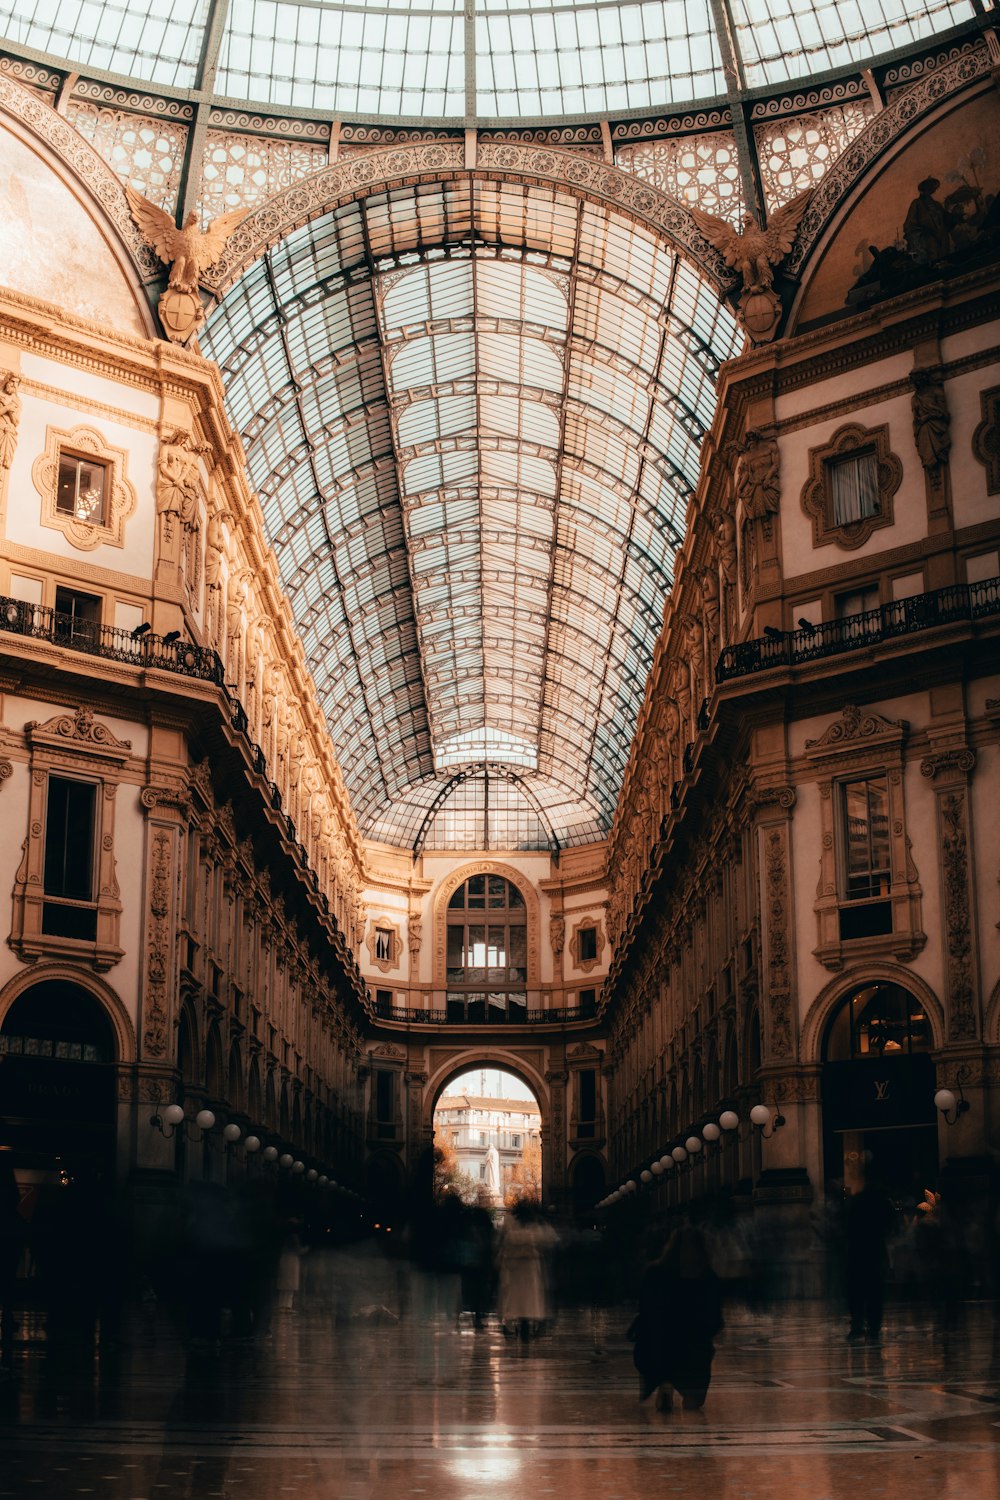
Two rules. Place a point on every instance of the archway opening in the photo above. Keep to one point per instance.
(879, 1119)
(488, 1140)
(57, 1125)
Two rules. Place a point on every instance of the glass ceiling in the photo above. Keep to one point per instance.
(471, 58)
(472, 412)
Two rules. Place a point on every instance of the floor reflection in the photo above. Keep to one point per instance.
(365, 1389)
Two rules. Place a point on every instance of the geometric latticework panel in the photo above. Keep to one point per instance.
(146, 152)
(700, 171)
(794, 154)
(240, 171)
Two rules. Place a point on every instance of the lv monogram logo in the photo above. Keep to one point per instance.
(881, 1090)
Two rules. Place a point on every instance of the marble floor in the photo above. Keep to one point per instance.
(341, 1403)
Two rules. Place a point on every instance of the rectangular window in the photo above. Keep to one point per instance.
(588, 944)
(78, 616)
(69, 839)
(854, 490)
(588, 1001)
(515, 1142)
(857, 602)
(81, 488)
(384, 1095)
(70, 821)
(384, 943)
(865, 838)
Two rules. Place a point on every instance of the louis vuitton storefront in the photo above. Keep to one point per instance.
(879, 1118)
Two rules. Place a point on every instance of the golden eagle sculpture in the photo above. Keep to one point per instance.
(754, 252)
(188, 251)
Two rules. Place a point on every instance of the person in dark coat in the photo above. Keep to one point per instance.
(680, 1312)
(868, 1219)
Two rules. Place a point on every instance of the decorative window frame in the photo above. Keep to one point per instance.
(385, 924)
(447, 889)
(78, 747)
(857, 745)
(817, 497)
(120, 501)
(986, 438)
(587, 924)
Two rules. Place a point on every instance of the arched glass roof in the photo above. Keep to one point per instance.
(472, 59)
(472, 411)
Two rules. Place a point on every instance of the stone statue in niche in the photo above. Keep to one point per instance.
(708, 580)
(724, 531)
(754, 252)
(178, 483)
(557, 935)
(931, 421)
(694, 649)
(239, 587)
(757, 484)
(10, 415)
(414, 935)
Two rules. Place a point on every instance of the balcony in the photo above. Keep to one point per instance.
(960, 602)
(41, 623)
(490, 1020)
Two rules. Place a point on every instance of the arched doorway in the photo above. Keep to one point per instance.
(878, 1092)
(488, 1139)
(58, 1111)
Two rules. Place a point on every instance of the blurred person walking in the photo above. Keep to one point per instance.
(680, 1313)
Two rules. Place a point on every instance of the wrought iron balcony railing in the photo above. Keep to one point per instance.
(109, 641)
(903, 617)
(515, 1017)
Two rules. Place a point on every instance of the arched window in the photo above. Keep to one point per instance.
(487, 951)
(878, 1021)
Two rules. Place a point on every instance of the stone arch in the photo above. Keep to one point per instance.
(827, 1002)
(447, 889)
(478, 1057)
(121, 1022)
(408, 166)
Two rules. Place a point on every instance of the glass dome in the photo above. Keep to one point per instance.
(469, 60)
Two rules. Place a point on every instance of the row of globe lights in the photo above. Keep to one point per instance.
(760, 1115)
(174, 1115)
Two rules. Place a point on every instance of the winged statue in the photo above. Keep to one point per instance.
(754, 252)
(188, 251)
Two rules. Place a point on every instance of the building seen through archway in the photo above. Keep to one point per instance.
(487, 1127)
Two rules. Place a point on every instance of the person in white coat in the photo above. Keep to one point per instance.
(525, 1246)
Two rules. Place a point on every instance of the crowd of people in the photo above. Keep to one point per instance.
(222, 1263)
